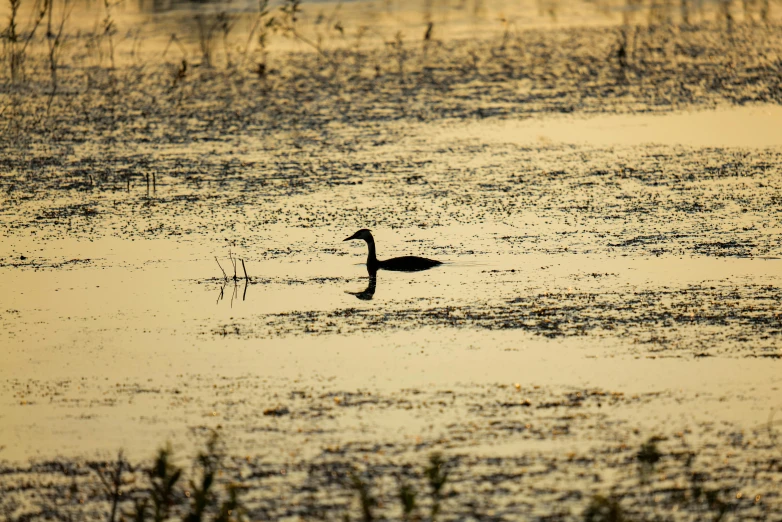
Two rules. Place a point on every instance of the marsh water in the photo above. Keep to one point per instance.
(612, 264)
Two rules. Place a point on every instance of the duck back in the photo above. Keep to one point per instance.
(408, 264)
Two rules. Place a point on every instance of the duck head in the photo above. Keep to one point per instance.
(364, 234)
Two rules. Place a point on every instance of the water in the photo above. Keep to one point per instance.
(106, 311)
(754, 127)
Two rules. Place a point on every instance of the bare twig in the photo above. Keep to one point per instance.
(246, 277)
(177, 41)
(55, 41)
(263, 23)
(233, 261)
(289, 17)
(36, 22)
(109, 29)
(225, 276)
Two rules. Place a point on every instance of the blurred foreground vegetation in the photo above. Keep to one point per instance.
(658, 484)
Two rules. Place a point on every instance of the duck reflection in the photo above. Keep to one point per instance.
(369, 291)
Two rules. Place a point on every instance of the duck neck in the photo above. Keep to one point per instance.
(372, 262)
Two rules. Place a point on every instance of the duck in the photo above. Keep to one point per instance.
(397, 264)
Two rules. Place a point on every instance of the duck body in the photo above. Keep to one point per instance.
(397, 264)
(408, 264)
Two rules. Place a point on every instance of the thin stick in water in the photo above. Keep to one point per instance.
(225, 276)
(233, 261)
(245, 271)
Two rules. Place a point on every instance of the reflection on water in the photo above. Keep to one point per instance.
(369, 291)
(234, 260)
(234, 291)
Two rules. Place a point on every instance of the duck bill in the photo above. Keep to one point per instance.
(351, 237)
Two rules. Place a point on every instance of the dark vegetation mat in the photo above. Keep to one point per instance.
(691, 321)
(647, 200)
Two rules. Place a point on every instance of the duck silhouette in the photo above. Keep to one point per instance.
(397, 264)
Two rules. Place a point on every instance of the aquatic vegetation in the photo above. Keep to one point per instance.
(208, 28)
(112, 480)
(208, 464)
(604, 509)
(367, 502)
(162, 497)
(16, 41)
(259, 33)
(407, 497)
(410, 500)
(691, 497)
(648, 457)
(163, 477)
(56, 36)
